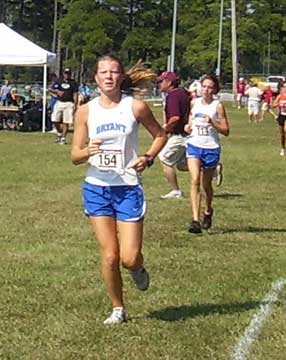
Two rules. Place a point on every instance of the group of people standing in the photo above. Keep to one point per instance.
(253, 96)
(106, 137)
(9, 95)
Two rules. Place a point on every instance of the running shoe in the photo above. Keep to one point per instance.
(207, 220)
(118, 316)
(282, 152)
(195, 227)
(141, 278)
(58, 139)
(62, 141)
(174, 194)
(53, 131)
(218, 174)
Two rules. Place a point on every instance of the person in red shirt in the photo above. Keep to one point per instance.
(267, 97)
(240, 88)
(280, 102)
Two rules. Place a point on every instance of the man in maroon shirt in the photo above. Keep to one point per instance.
(176, 111)
(240, 89)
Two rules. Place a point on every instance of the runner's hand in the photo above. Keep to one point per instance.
(94, 147)
(139, 164)
(188, 128)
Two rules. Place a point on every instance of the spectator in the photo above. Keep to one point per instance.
(240, 89)
(66, 90)
(254, 99)
(53, 100)
(32, 116)
(5, 93)
(195, 89)
(84, 93)
(267, 100)
(176, 109)
(14, 98)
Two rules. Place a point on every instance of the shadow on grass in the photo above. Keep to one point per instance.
(227, 196)
(188, 311)
(251, 229)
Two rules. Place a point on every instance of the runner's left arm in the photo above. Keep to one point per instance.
(222, 125)
(144, 115)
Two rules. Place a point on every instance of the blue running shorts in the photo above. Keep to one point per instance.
(208, 157)
(124, 203)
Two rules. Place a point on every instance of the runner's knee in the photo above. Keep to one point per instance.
(111, 261)
(130, 261)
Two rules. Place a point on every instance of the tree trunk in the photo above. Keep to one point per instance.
(59, 56)
(55, 26)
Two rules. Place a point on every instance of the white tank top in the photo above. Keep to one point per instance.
(118, 129)
(203, 134)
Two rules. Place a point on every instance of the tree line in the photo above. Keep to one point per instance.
(81, 30)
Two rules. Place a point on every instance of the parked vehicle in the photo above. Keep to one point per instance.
(274, 81)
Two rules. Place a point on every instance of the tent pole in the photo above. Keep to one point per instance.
(45, 72)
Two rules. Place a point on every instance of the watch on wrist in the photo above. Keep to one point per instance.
(149, 159)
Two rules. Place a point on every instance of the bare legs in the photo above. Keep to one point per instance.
(58, 126)
(65, 128)
(207, 184)
(171, 176)
(207, 175)
(272, 113)
(282, 138)
(195, 172)
(253, 117)
(127, 251)
(238, 101)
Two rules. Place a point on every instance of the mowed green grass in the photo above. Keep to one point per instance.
(204, 289)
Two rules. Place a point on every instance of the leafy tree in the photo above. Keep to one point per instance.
(143, 28)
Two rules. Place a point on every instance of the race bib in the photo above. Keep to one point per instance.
(201, 124)
(107, 160)
(203, 130)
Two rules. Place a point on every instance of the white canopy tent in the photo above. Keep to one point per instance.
(16, 50)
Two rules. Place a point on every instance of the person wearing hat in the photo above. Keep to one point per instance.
(240, 89)
(66, 90)
(176, 111)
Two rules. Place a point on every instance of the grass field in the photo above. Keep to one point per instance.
(205, 289)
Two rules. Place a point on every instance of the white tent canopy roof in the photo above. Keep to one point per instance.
(15, 49)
